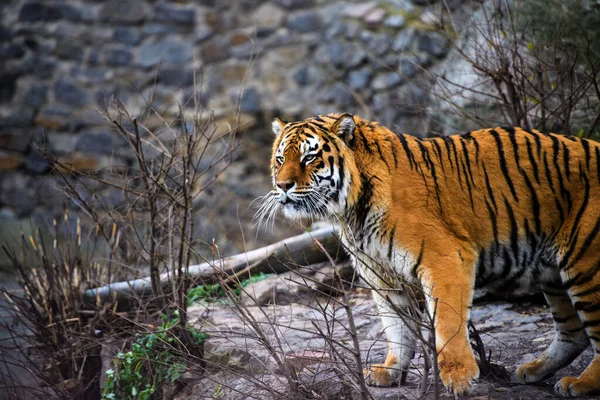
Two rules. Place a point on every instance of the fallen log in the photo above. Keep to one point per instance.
(282, 256)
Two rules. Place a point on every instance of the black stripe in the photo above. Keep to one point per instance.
(513, 140)
(586, 151)
(597, 152)
(566, 160)
(448, 154)
(592, 290)
(468, 160)
(489, 187)
(591, 323)
(363, 203)
(514, 231)
(586, 306)
(419, 259)
(535, 204)
(586, 196)
(391, 245)
(503, 164)
(532, 160)
(408, 151)
(584, 247)
(438, 151)
(381, 154)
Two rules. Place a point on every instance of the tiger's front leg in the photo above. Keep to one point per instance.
(448, 279)
(401, 341)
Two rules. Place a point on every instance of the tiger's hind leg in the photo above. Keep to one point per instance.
(569, 340)
(585, 294)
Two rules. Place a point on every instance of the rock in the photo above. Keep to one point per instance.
(166, 51)
(378, 44)
(340, 95)
(294, 4)
(268, 16)
(304, 21)
(360, 79)
(10, 161)
(15, 140)
(395, 21)
(250, 100)
(349, 55)
(175, 76)
(66, 91)
(174, 14)
(15, 193)
(48, 12)
(408, 66)
(36, 95)
(11, 50)
(70, 50)
(277, 289)
(360, 10)
(386, 81)
(54, 116)
(404, 39)
(213, 50)
(8, 86)
(36, 162)
(433, 43)
(124, 11)
(37, 65)
(129, 36)
(118, 56)
(203, 33)
(95, 142)
(62, 143)
(374, 18)
(301, 75)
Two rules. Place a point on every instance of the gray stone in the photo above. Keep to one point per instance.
(70, 49)
(268, 16)
(360, 79)
(95, 142)
(341, 96)
(91, 74)
(404, 39)
(360, 10)
(301, 75)
(124, 11)
(36, 95)
(414, 99)
(36, 162)
(347, 54)
(15, 193)
(130, 36)
(375, 17)
(395, 21)
(155, 28)
(213, 50)
(294, 4)
(118, 56)
(47, 12)
(304, 21)
(8, 87)
(203, 33)
(166, 51)
(15, 140)
(408, 66)
(66, 91)
(377, 44)
(433, 43)
(175, 76)
(174, 14)
(386, 80)
(11, 50)
(250, 100)
(41, 67)
(54, 116)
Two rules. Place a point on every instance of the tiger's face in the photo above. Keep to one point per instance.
(309, 168)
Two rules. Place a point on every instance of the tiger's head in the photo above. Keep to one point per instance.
(311, 167)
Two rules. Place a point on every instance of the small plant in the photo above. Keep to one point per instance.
(216, 291)
(154, 359)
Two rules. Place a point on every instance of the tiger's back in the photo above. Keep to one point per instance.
(502, 209)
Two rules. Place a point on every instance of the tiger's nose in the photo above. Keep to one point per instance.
(285, 185)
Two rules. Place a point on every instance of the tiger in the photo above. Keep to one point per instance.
(505, 210)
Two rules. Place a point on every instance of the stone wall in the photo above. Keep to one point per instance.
(293, 59)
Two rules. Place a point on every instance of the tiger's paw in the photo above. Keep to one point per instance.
(459, 376)
(571, 386)
(380, 375)
(531, 372)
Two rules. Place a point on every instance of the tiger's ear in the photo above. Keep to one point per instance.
(344, 127)
(277, 126)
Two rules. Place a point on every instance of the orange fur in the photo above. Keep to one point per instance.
(499, 209)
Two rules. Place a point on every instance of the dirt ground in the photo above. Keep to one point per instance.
(244, 369)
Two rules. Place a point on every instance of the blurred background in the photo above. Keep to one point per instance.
(418, 66)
